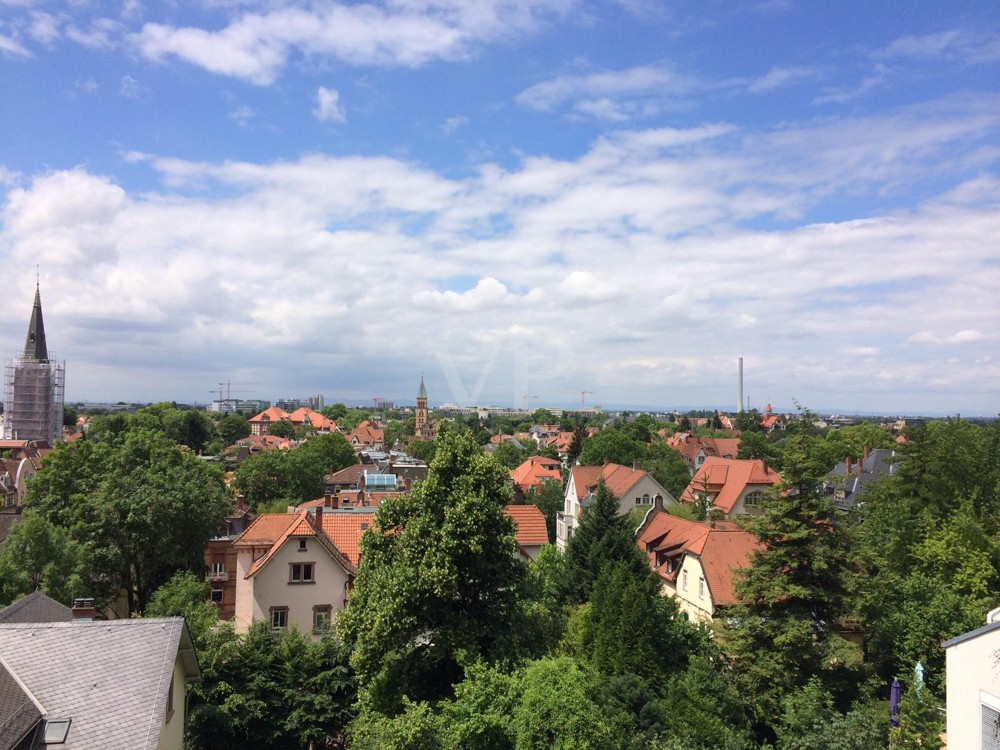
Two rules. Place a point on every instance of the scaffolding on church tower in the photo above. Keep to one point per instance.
(33, 397)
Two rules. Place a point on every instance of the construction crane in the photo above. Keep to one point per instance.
(229, 389)
(525, 396)
(583, 397)
(375, 400)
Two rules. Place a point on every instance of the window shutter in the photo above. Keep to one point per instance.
(991, 728)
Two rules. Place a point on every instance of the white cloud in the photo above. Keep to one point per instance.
(643, 80)
(959, 337)
(642, 268)
(452, 124)
(12, 47)
(780, 77)
(242, 115)
(328, 106)
(130, 88)
(408, 33)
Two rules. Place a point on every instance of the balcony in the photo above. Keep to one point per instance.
(217, 576)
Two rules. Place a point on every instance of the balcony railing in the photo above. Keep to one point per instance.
(218, 575)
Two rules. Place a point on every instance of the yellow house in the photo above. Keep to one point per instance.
(695, 561)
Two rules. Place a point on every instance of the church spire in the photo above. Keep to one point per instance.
(34, 345)
(422, 393)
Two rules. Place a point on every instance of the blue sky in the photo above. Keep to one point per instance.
(511, 196)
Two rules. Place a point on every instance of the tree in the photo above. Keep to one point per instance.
(666, 466)
(602, 538)
(792, 596)
(555, 711)
(542, 416)
(576, 446)
(233, 427)
(439, 586)
(334, 411)
(611, 446)
(185, 595)
(141, 507)
(273, 689)
(549, 500)
(40, 555)
(282, 428)
(630, 629)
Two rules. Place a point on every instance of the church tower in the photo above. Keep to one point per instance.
(423, 431)
(33, 387)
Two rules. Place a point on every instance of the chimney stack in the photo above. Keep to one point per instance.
(868, 452)
(739, 407)
(318, 518)
(84, 610)
(848, 465)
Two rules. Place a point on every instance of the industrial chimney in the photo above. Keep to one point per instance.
(739, 407)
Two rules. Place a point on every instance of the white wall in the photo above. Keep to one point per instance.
(973, 678)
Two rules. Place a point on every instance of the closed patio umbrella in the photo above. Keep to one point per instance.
(895, 693)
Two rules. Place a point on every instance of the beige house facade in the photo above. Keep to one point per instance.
(290, 574)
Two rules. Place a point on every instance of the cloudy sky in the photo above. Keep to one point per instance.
(519, 198)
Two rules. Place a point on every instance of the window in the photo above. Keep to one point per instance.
(170, 701)
(685, 580)
(302, 545)
(279, 618)
(216, 594)
(301, 573)
(701, 588)
(321, 618)
(218, 568)
(645, 499)
(753, 499)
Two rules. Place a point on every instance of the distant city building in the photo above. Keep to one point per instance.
(317, 402)
(34, 387)
(288, 404)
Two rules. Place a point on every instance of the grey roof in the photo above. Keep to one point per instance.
(988, 628)
(36, 607)
(19, 711)
(34, 343)
(878, 463)
(110, 677)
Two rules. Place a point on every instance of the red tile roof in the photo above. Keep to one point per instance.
(346, 529)
(274, 529)
(725, 479)
(721, 549)
(535, 470)
(274, 414)
(530, 522)
(617, 478)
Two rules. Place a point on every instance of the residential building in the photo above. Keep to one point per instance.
(367, 436)
(731, 486)
(771, 421)
(849, 479)
(694, 450)
(87, 684)
(259, 423)
(534, 473)
(531, 533)
(33, 387)
(634, 488)
(289, 572)
(36, 607)
(696, 561)
(305, 416)
(973, 687)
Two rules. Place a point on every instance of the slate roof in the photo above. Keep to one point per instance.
(874, 466)
(19, 711)
(110, 677)
(36, 607)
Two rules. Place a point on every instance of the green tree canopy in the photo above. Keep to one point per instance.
(140, 506)
(439, 585)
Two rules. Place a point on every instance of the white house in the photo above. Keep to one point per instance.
(634, 488)
(973, 679)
